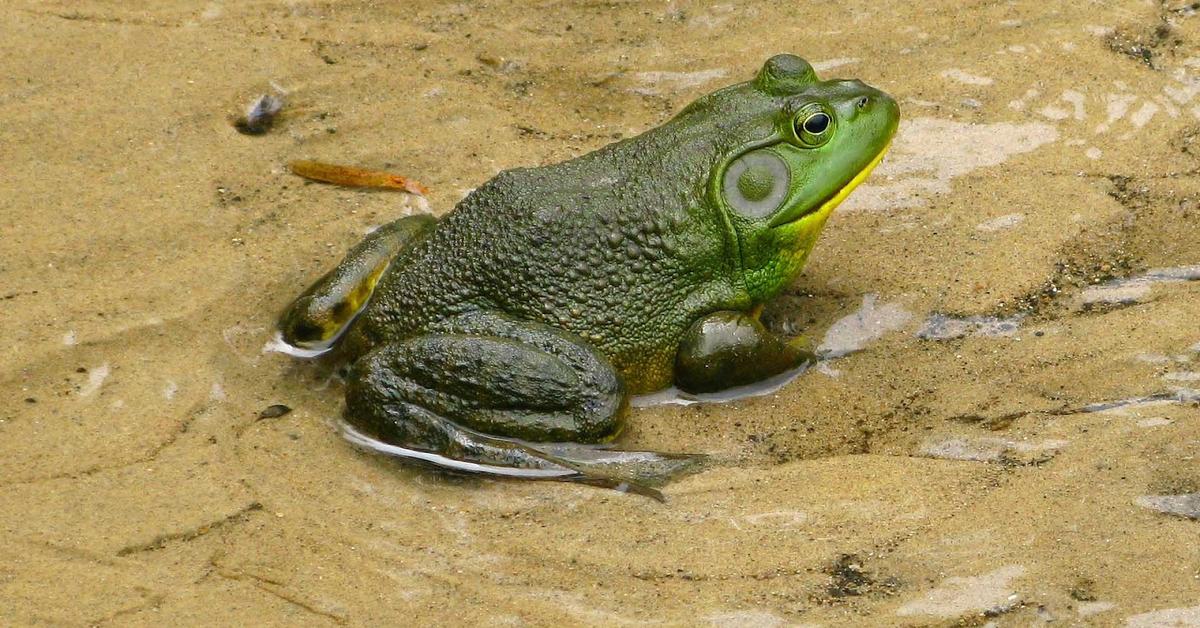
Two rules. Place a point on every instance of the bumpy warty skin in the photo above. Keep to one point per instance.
(620, 247)
(548, 295)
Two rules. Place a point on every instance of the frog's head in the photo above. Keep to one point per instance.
(795, 147)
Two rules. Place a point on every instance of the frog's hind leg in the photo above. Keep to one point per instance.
(313, 322)
(490, 394)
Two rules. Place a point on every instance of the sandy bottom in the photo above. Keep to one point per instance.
(1006, 431)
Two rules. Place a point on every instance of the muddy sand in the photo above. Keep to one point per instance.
(1005, 431)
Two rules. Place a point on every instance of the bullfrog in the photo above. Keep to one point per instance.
(508, 336)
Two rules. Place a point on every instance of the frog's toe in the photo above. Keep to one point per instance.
(487, 456)
(637, 472)
(640, 468)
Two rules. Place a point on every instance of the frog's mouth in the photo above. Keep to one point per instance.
(835, 198)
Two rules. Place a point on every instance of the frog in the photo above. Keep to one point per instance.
(507, 336)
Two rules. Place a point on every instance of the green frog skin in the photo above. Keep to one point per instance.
(507, 336)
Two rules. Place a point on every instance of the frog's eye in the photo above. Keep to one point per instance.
(757, 183)
(812, 126)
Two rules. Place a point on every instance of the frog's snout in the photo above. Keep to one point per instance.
(869, 106)
(886, 105)
(867, 98)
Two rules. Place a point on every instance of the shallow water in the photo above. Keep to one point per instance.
(1133, 289)
(942, 327)
(869, 323)
(1027, 251)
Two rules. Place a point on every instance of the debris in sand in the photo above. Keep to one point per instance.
(848, 579)
(260, 115)
(351, 176)
(274, 411)
(1186, 505)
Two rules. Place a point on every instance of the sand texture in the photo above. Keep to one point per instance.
(1006, 431)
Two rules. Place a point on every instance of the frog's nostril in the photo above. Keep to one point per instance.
(862, 103)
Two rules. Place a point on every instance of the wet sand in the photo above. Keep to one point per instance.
(1006, 430)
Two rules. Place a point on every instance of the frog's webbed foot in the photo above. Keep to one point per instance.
(489, 394)
(727, 349)
(641, 471)
(316, 319)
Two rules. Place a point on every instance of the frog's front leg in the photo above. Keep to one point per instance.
(726, 349)
(492, 394)
(317, 318)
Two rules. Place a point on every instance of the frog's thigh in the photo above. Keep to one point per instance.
(318, 316)
(507, 379)
(726, 349)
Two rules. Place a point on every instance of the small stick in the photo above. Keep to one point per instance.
(355, 177)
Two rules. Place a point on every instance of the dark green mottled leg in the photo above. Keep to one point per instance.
(491, 394)
(726, 349)
(316, 319)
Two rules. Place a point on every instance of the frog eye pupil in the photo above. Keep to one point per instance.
(816, 124)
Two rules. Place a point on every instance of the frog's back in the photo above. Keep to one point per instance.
(619, 260)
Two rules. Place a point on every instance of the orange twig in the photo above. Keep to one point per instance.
(355, 177)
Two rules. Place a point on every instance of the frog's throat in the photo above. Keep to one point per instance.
(821, 213)
(797, 238)
(807, 229)
(837, 199)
